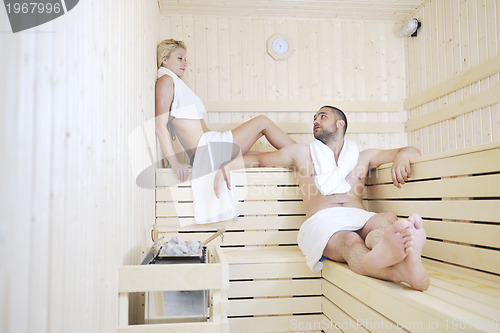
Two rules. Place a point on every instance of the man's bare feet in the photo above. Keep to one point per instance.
(390, 250)
(411, 270)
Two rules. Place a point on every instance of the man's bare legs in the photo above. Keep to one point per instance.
(396, 256)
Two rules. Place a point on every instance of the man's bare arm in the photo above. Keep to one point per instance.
(400, 158)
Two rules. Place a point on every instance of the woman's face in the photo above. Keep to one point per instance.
(176, 62)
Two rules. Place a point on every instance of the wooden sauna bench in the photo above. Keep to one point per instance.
(272, 290)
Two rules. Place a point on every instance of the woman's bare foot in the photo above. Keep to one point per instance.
(390, 250)
(411, 270)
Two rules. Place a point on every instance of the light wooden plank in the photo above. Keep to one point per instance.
(141, 278)
(474, 187)
(166, 209)
(208, 327)
(301, 106)
(242, 193)
(340, 319)
(274, 306)
(413, 310)
(258, 255)
(123, 309)
(274, 288)
(466, 287)
(469, 233)
(270, 271)
(475, 74)
(251, 176)
(165, 224)
(306, 128)
(482, 282)
(483, 259)
(243, 238)
(483, 99)
(475, 160)
(362, 315)
(275, 323)
(465, 210)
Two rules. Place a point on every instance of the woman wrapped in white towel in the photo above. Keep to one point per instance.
(179, 113)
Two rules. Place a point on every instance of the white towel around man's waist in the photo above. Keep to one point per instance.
(330, 177)
(214, 148)
(317, 230)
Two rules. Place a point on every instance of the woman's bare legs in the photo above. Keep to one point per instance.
(249, 132)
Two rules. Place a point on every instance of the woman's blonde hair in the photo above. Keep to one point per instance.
(166, 47)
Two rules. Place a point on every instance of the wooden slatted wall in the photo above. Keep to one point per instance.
(452, 75)
(72, 91)
(335, 62)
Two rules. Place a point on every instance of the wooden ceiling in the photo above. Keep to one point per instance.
(366, 10)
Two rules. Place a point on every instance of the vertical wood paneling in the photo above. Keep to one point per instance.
(73, 91)
(455, 37)
(332, 60)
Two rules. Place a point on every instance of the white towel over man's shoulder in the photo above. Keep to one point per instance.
(330, 176)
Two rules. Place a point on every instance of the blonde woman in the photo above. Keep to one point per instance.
(179, 113)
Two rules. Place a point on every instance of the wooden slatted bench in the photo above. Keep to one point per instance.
(272, 290)
(270, 285)
(458, 196)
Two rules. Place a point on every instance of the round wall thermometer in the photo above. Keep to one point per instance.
(279, 46)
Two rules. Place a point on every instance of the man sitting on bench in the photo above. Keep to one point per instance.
(332, 173)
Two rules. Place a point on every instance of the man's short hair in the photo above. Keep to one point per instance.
(339, 115)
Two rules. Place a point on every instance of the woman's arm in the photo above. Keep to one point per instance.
(164, 98)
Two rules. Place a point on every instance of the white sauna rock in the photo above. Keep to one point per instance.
(177, 246)
(193, 246)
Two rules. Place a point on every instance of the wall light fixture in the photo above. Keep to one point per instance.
(410, 27)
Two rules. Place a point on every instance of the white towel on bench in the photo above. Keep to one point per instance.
(330, 177)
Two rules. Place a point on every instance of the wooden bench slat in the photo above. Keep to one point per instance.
(471, 162)
(273, 288)
(242, 193)
(460, 274)
(356, 309)
(401, 304)
(483, 259)
(263, 254)
(208, 327)
(271, 270)
(456, 297)
(272, 324)
(341, 320)
(274, 306)
(166, 209)
(261, 237)
(139, 278)
(249, 176)
(464, 187)
(475, 292)
(471, 233)
(248, 222)
(467, 210)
